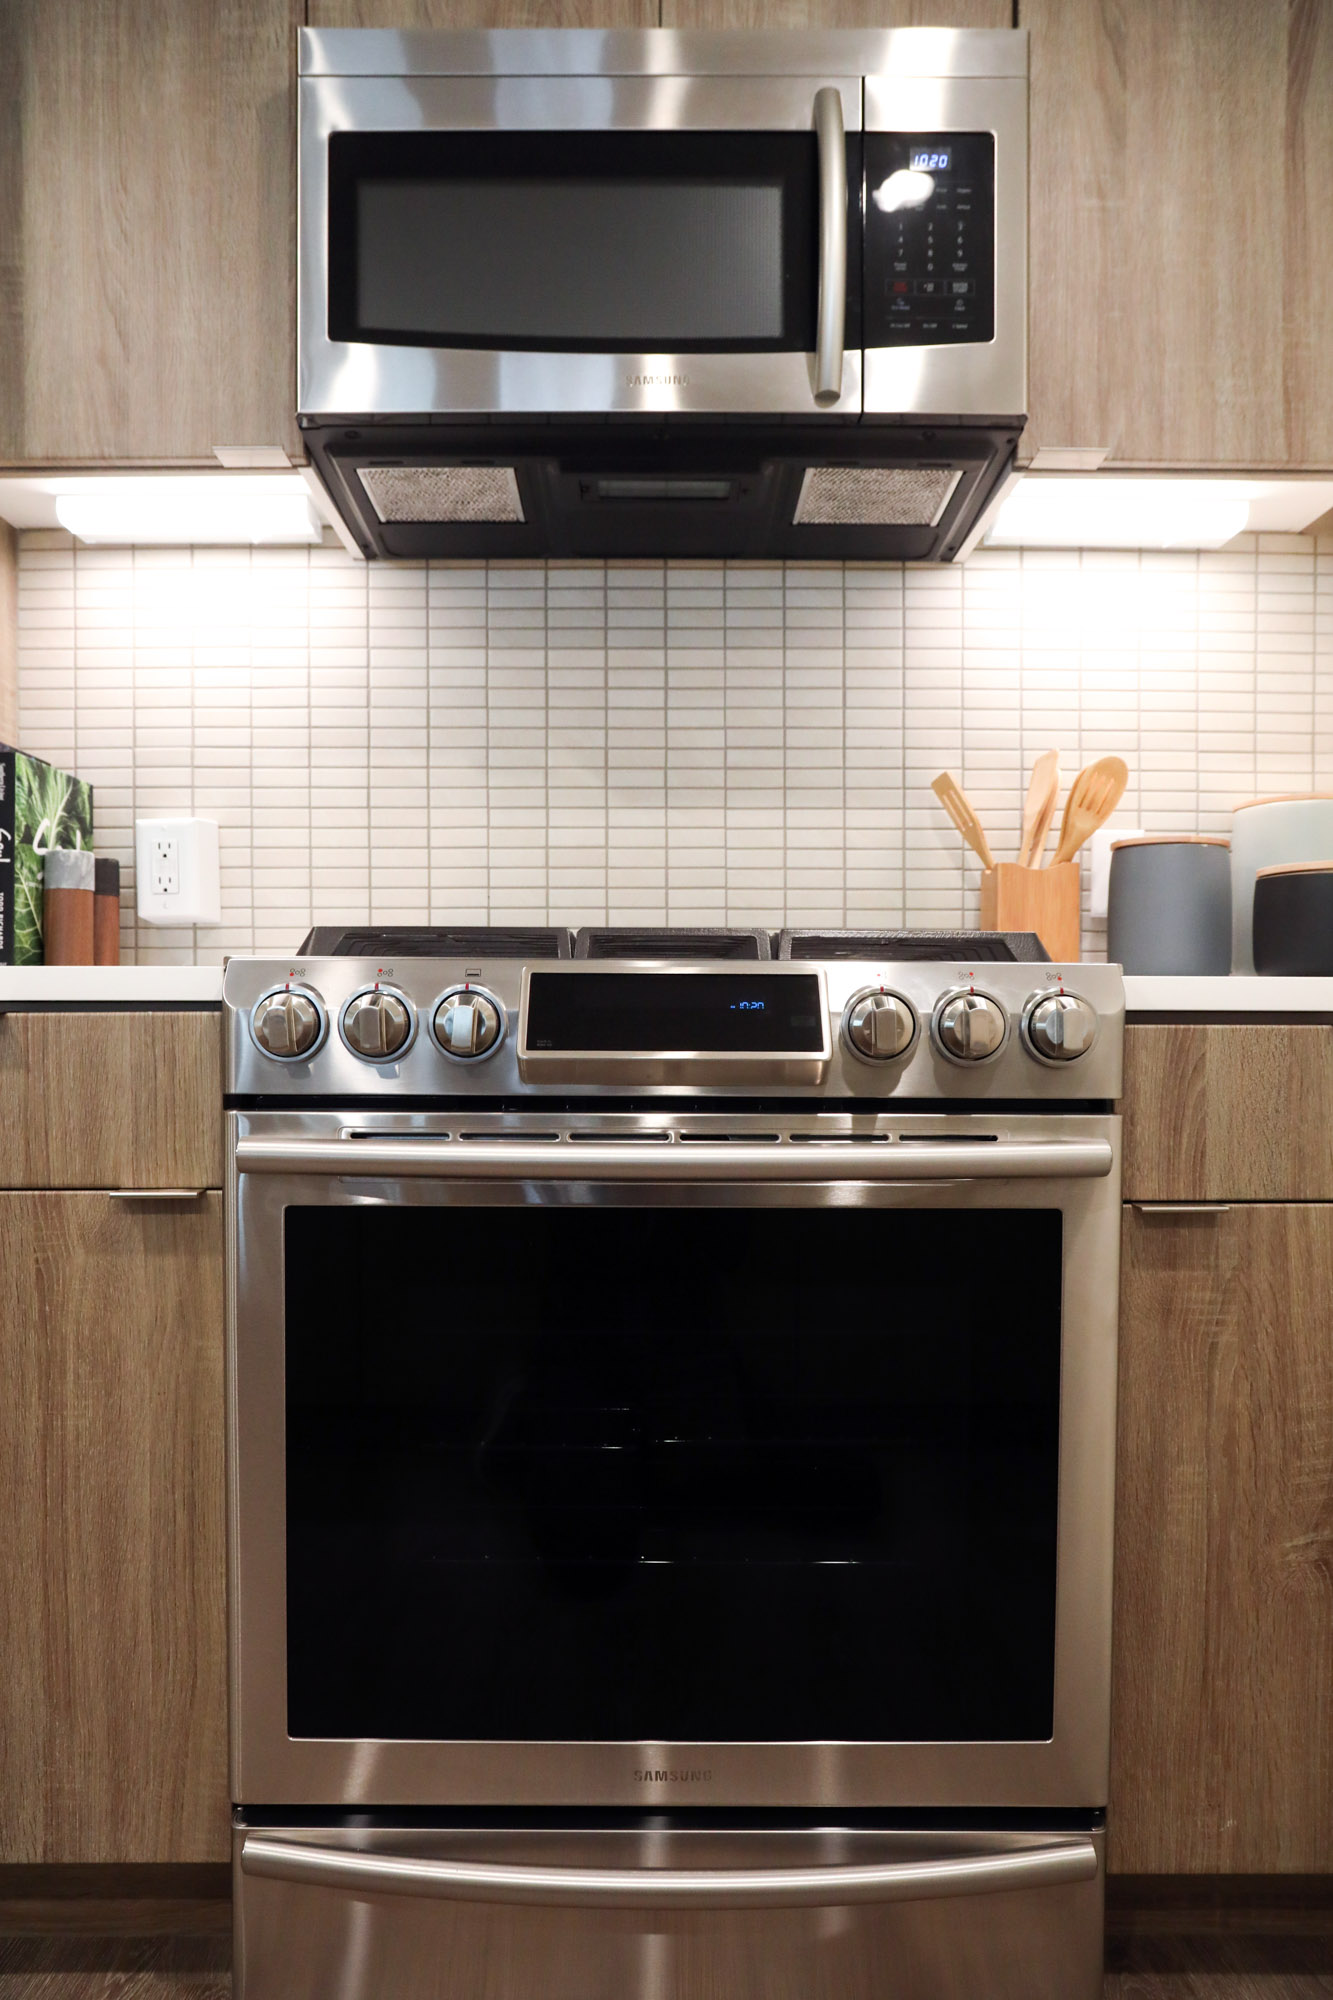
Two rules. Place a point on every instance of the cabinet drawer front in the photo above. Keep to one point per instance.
(1228, 1112)
(1222, 1663)
(111, 1100)
(113, 1705)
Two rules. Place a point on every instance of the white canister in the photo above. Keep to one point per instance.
(1265, 833)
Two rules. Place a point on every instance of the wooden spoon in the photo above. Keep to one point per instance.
(954, 800)
(1093, 797)
(1039, 808)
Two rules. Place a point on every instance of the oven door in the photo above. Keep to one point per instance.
(622, 1466)
(597, 244)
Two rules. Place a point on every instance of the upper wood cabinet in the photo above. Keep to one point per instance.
(1181, 286)
(147, 271)
(836, 14)
(1222, 1712)
(482, 13)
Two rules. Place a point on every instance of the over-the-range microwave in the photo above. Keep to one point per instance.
(641, 293)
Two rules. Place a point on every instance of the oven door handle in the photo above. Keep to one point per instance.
(549, 1160)
(831, 324)
(676, 1888)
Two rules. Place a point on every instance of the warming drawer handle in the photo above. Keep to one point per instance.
(677, 1888)
(419, 1159)
(832, 321)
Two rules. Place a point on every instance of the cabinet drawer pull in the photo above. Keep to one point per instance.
(1182, 1207)
(156, 1194)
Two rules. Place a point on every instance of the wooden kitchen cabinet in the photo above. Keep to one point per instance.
(113, 1705)
(111, 1100)
(1222, 1731)
(836, 14)
(1181, 306)
(147, 228)
(1223, 1111)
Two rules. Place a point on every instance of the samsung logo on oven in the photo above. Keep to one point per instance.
(657, 381)
(672, 1777)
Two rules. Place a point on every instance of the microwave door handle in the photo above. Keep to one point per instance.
(832, 322)
(676, 1888)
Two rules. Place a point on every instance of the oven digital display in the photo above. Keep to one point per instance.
(643, 1013)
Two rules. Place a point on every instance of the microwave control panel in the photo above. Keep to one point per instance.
(929, 238)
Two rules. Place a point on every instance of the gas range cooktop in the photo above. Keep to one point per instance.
(409, 1018)
(531, 941)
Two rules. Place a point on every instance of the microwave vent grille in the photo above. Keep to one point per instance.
(443, 492)
(871, 496)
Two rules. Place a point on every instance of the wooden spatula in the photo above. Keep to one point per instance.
(1039, 808)
(1093, 797)
(954, 800)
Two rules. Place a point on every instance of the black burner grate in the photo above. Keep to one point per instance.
(438, 941)
(618, 942)
(976, 947)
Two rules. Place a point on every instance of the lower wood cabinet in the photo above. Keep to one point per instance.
(112, 1607)
(1222, 1734)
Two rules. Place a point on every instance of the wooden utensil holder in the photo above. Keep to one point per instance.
(1044, 900)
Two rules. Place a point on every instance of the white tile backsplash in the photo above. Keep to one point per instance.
(638, 742)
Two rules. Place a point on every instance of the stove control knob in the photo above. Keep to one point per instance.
(468, 1022)
(377, 1024)
(1059, 1027)
(289, 1023)
(879, 1025)
(970, 1027)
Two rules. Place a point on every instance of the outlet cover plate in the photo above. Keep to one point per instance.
(176, 869)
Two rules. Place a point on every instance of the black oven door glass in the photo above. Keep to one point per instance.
(600, 242)
(657, 1474)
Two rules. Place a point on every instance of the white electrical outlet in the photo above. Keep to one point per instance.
(166, 865)
(176, 862)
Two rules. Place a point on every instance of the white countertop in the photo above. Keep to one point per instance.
(1174, 994)
(176, 985)
(109, 985)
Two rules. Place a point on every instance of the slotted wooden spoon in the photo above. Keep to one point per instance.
(1039, 808)
(1093, 797)
(955, 802)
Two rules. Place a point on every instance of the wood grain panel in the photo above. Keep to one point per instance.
(1222, 1735)
(156, 312)
(483, 13)
(113, 1697)
(836, 14)
(1174, 318)
(9, 634)
(111, 1100)
(1228, 1112)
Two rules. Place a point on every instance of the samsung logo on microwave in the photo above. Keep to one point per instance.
(672, 1777)
(657, 381)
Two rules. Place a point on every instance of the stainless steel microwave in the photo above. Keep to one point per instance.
(577, 292)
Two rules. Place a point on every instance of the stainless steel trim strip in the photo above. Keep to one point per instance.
(1041, 1159)
(411, 53)
(832, 321)
(678, 1888)
(155, 1194)
(1182, 1207)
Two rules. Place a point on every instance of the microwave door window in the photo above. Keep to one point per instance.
(577, 242)
(655, 1474)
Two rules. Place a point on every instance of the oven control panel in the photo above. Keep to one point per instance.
(837, 1030)
(929, 238)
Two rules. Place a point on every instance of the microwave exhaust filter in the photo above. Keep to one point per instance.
(443, 492)
(870, 496)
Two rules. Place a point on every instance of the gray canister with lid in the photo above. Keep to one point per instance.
(1169, 904)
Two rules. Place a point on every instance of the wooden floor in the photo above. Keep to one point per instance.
(98, 1948)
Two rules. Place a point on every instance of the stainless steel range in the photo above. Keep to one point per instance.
(672, 1389)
